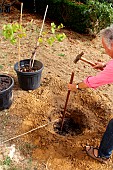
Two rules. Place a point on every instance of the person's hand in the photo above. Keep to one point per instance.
(99, 65)
(72, 87)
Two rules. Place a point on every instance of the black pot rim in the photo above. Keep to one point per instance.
(28, 72)
(12, 84)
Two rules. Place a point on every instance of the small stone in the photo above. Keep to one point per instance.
(29, 91)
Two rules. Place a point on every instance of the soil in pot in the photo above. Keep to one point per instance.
(6, 96)
(5, 82)
(27, 68)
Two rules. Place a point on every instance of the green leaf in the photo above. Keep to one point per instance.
(15, 27)
(7, 161)
(44, 33)
(51, 40)
(53, 27)
(60, 26)
(40, 40)
(13, 41)
(62, 55)
(1, 67)
(13, 31)
(53, 30)
(60, 37)
(21, 35)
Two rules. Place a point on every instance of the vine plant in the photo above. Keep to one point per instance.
(15, 31)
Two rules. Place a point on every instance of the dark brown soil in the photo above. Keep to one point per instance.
(28, 69)
(69, 126)
(5, 82)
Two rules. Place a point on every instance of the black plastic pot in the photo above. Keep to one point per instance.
(7, 8)
(6, 96)
(29, 80)
(1, 10)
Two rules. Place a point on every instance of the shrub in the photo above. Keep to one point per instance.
(74, 16)
(79, 15)
(101, 14)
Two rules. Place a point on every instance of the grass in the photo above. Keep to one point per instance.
(7, 161)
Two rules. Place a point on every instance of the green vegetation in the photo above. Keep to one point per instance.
(55, 36)
(79, 15)
(7, 161)
(101, 14)
(14, 31)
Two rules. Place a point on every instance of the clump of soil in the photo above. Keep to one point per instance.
(5, 82)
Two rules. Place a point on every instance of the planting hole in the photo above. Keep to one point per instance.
(69, 127)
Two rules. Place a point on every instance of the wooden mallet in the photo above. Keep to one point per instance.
(79, 57)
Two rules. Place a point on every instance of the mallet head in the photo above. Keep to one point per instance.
(78, 57)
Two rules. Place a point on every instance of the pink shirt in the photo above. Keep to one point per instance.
(102, 78)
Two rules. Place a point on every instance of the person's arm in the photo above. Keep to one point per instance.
(78, 86)
(102, 78)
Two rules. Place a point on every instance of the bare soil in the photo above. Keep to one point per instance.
(44, 148)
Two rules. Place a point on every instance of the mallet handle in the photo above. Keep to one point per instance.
(89, 62)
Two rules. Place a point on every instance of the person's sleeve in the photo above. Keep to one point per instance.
(102, 78)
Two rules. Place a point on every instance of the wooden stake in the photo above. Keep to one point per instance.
(68, 94)
(37, 43)
(19, 37)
